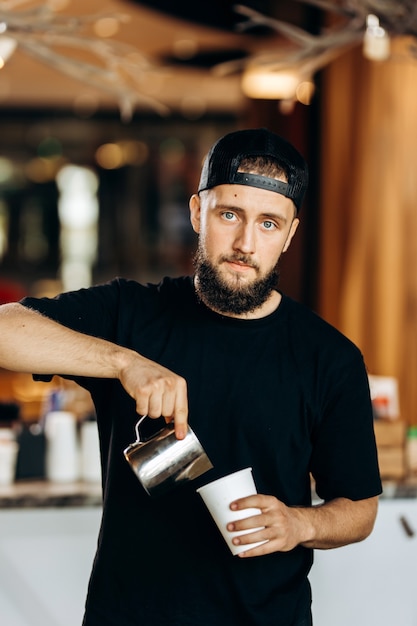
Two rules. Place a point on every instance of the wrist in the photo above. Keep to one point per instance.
(121, 359)
(307, 529)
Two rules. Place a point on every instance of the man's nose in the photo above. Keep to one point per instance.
(245, 239)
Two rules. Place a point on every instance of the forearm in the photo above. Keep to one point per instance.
(333, 524)
(30, 342)
(337, 523)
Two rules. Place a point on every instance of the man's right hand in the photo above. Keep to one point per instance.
(157, 391)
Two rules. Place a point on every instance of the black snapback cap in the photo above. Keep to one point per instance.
(222, 163)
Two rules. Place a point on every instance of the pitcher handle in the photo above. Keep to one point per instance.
(138, 423)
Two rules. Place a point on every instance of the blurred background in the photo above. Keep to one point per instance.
(107, 110)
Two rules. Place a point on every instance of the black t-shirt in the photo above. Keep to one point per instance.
(286, 394)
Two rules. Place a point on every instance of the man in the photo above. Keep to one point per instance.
(265, 383)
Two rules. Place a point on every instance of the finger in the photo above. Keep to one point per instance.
(155, 407)
(254, 501)
(146, 403)
(248, 538)
(142, 406)
(255, 521)
(180, 412)
(168, 406)
(264, 548)
(162, 403)
(160, 396)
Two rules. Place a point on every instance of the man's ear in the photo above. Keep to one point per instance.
(195, 212)
(293, 228)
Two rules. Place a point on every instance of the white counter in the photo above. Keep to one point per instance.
(45, 561)
(373, 582)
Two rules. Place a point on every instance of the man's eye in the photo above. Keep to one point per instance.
(269, 225)
(228, 215)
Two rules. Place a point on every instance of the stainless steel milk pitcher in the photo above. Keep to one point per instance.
(163, 462)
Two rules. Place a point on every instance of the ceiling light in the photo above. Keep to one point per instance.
(109, 156)
(106, 27)
(376, 42)
(263, 83)
(305, 92)
(7, 47)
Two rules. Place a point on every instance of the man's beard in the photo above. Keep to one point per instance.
(218, 295)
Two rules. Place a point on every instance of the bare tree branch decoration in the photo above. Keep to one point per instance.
(40, 32)
(308, 53)
(121, 70)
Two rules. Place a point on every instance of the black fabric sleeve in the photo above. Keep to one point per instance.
(91, 311)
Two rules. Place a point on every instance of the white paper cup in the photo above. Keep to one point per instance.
(8, 458)
(218, 496)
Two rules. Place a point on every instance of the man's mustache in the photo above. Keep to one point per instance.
(239, 258)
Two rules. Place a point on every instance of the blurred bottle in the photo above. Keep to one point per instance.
(90, 467)
(32, 450)
(62, 451)
(8, 456)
